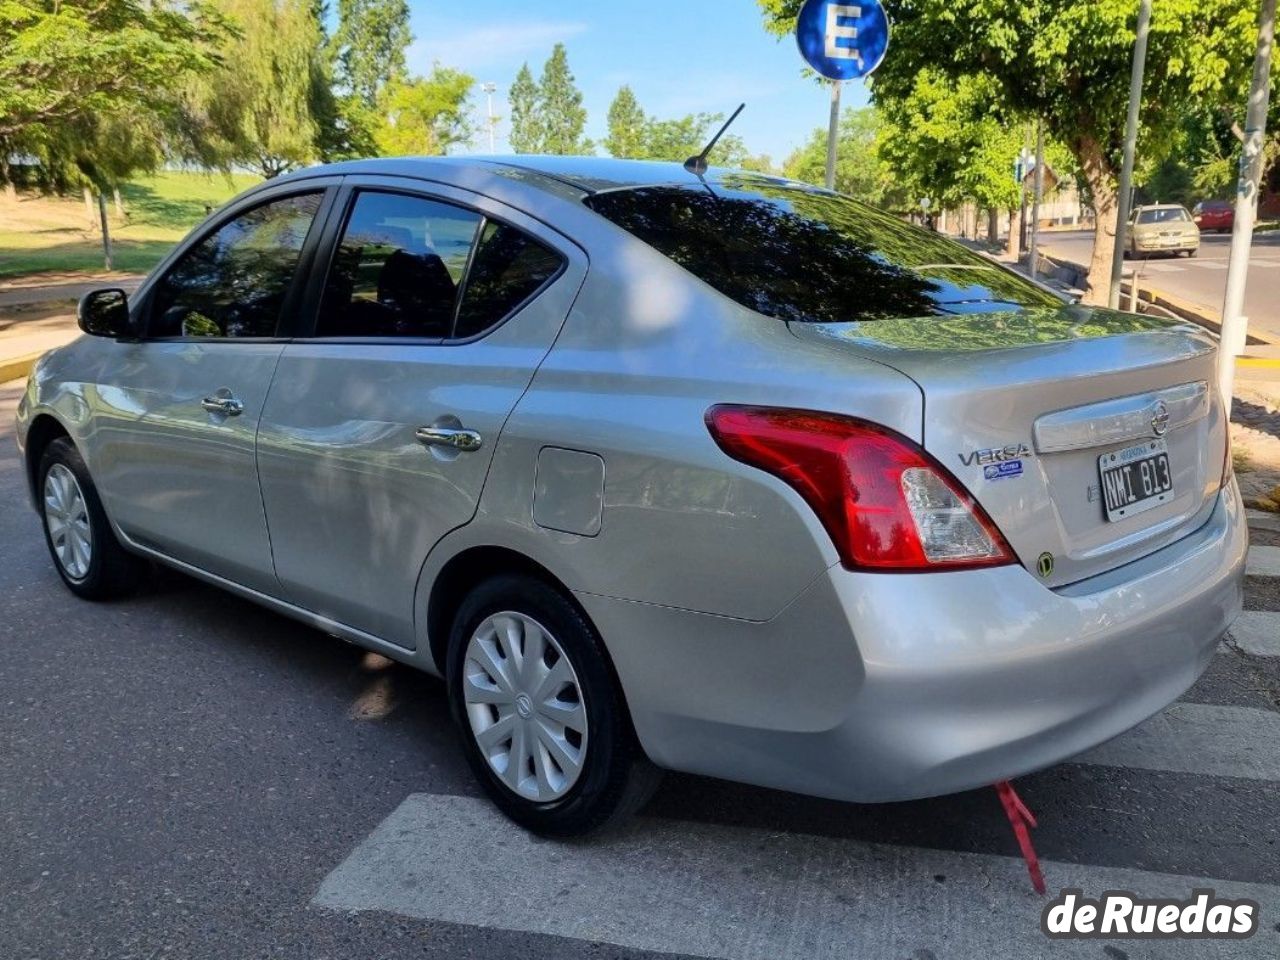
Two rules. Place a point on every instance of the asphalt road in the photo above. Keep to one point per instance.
(1202, 279)
(186, 775)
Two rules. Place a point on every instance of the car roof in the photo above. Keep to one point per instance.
(552, 173)
(1161, 206)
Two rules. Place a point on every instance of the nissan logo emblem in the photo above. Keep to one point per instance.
(1160, 418)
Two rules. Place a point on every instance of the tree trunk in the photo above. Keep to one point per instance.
(88, 205)
(1015, 234)
(993, 225)
(115, 195)
(1102, 187)
(106, 231)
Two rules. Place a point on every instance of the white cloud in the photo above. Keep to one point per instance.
(480, 47)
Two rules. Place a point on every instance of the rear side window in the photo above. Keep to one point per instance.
(808, 256)
(234, 281)
(397, 268)
(508, 268)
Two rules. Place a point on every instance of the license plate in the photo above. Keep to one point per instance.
(1135, 479)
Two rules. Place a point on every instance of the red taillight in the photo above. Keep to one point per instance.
(885, 502)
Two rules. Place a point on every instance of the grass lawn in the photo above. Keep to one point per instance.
(54, 234)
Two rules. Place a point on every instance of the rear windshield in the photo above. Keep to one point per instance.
(804, 255)
(1163, 215)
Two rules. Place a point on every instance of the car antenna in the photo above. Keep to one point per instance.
(697, 165)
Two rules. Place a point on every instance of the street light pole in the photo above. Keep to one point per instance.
(1235, 325)
(833, 133)
(489, 88)
(1130, 145)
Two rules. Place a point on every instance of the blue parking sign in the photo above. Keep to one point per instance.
(842, 39)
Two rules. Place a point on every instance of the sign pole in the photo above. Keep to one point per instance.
(841, 40)
(833, 134)
(1130, 145)
(1235, 325)
(1037, 195)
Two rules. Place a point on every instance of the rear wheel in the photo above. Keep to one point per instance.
(542, 719)
(84, 548)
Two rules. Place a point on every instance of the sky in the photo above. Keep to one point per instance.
(678, 56)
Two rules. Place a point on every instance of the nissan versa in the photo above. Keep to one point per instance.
(721, 474)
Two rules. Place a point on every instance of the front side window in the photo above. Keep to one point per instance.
(397, 268)
(508, 268)
(804, 255)
(234, 281)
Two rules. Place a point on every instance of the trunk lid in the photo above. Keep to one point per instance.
(1020, 407)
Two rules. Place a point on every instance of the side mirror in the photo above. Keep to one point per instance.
(105, 313)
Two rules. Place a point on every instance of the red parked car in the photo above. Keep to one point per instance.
(1217, 215)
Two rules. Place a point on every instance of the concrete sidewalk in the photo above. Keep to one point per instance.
(38, 314)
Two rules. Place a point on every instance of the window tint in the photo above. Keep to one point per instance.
(508, 268)
(1163, 215)
(397, 268)
(804, 255)
(233, 283)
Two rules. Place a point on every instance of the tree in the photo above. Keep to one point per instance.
(426, 115)
(263, 105)
(526, 132)
(627, 126)
(859, 170)
(562, 116)
(71, 70)
(369, 46)
(1068, 62)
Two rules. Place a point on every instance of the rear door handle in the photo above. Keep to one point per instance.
(227, 406)
(459, 438)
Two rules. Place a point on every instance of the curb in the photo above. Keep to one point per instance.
(16, 368)
(1261, 520)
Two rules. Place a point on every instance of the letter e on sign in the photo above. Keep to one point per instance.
(839, 28)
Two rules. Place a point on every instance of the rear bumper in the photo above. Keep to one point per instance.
(874, 687)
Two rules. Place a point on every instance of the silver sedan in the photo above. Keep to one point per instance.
(722, 474)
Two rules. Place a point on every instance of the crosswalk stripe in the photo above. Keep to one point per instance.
(1257, 632)
(1263, 562)
(732, 892)
(1163, 268)
(1199, 738)
(1208, 264)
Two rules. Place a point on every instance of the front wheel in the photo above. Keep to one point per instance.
(84, 548)
(543, 721)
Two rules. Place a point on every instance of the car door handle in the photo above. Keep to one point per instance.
(227, 406)
(459, 438)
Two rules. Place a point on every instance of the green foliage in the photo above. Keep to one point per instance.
(263, 106)
(526, 132)
(1068, 62)
(426, 115)
(636, 135)
(627, 126)
(368, 47)
(77, 76)
(548, 116)
(860, 172)
(561, 114)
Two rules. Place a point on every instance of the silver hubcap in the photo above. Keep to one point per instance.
(67, 518)
(525, 706)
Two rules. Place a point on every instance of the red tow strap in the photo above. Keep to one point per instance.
(1020, 818)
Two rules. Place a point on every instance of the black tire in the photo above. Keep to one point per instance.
(111, 571)
(616, 777)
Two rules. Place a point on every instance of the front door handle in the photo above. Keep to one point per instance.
(225, 405)
(459, 438)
